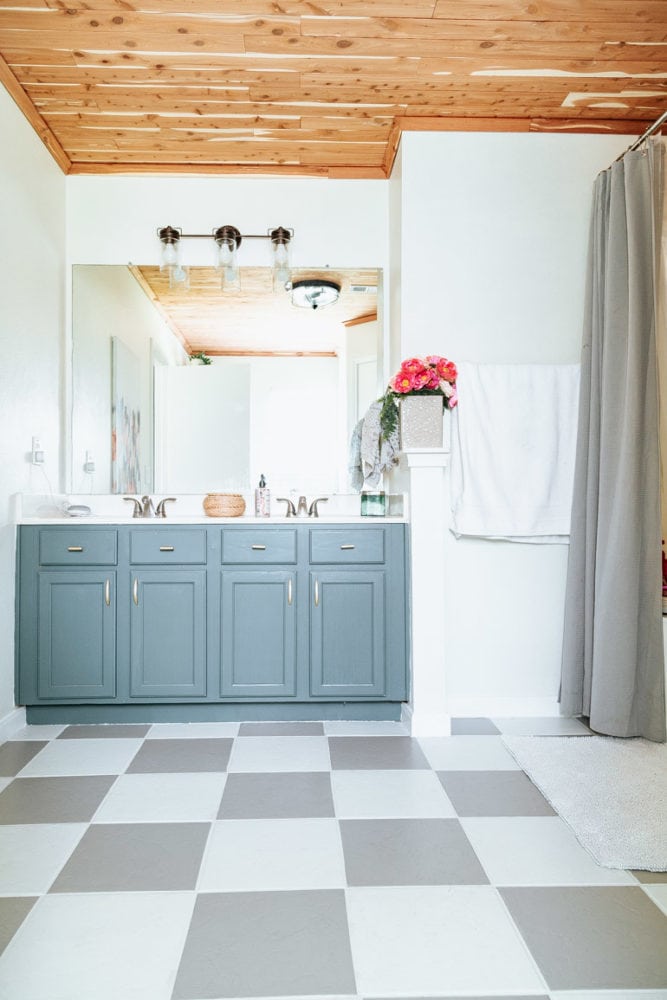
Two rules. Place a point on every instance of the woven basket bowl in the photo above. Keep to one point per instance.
(224, 504)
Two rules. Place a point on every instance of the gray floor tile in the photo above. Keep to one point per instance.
(504, 996)
(281, 729)
(474, 727)
(409, 852)
(650, 877)
(187, 755)
(376, 752)
(277, 796)
(494, 793)
(13, 911)
(16, 754)
(116, 731)
(135, 857)
(592, 937)
(53, 800)
(258, 944)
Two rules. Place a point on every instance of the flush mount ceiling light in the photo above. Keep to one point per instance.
(227, 241)
(313, 293)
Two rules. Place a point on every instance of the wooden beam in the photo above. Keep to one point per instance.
(358, 320)
(232, 352)
(25, 105)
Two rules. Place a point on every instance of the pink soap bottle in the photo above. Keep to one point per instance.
(262, 499)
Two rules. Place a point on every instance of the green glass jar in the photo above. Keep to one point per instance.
(373, 504)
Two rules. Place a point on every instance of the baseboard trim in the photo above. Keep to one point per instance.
(11, 723)
(490, 708)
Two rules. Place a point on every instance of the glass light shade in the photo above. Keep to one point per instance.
(179, 277)
(169, 257)
(230, 280)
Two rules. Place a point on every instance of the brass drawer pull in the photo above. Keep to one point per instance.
(135, 591)
(107, 592)
(75, 548)
(258, 548)
(347, 546)
(166, 548)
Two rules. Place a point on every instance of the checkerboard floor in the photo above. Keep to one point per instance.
(339, 860)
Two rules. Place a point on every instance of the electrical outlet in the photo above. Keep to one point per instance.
(36, 455)
(89, 464)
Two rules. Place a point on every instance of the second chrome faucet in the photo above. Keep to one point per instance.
(302, 509)
(144, 507)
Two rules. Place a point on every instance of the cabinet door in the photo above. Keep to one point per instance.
(168, 633)
(77, 634)
(347, 634)
(258, 633)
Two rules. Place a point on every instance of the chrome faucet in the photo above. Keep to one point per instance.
(312, 510)
(161, 510)
(302, 509)
(142, 509)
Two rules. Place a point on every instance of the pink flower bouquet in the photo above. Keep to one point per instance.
(429, 376)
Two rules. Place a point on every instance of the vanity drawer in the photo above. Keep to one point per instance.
(345, 545)
(77, 547)
(259, 545)
(168, 545)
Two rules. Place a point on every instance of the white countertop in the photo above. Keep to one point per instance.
(188, 509)
(153, 522)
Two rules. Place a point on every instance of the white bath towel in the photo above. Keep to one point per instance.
(514, 437)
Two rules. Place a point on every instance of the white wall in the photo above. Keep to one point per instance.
(32, 282)
(494, 232)
(113, 220)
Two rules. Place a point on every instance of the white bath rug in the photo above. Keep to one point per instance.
(611, 792)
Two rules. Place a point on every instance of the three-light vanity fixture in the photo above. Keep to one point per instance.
(227, 240)
(309, 293)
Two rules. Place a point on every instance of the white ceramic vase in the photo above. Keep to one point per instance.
(421, 422)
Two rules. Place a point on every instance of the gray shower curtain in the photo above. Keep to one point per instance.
(613, 661)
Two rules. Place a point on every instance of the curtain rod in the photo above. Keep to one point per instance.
(649, 131)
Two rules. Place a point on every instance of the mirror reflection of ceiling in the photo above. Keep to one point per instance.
(258, 319)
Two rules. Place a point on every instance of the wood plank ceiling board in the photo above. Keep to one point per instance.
(259, 318)
(320, 87)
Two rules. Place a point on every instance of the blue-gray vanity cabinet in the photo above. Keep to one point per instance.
(115, 618)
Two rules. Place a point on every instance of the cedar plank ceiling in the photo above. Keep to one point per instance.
(320, 87)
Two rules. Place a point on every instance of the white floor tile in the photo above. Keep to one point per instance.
(535, 850)
(107, 946)
(273, 854)
(658, 894)
(72, 757)
(192, 730)
(370, 794)
(341, 728)
(31, 855)
(467, 753)
(609, 995)
(548, 726)
(280, 753)
(162, 798)
(37, 733)
(436, 940)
